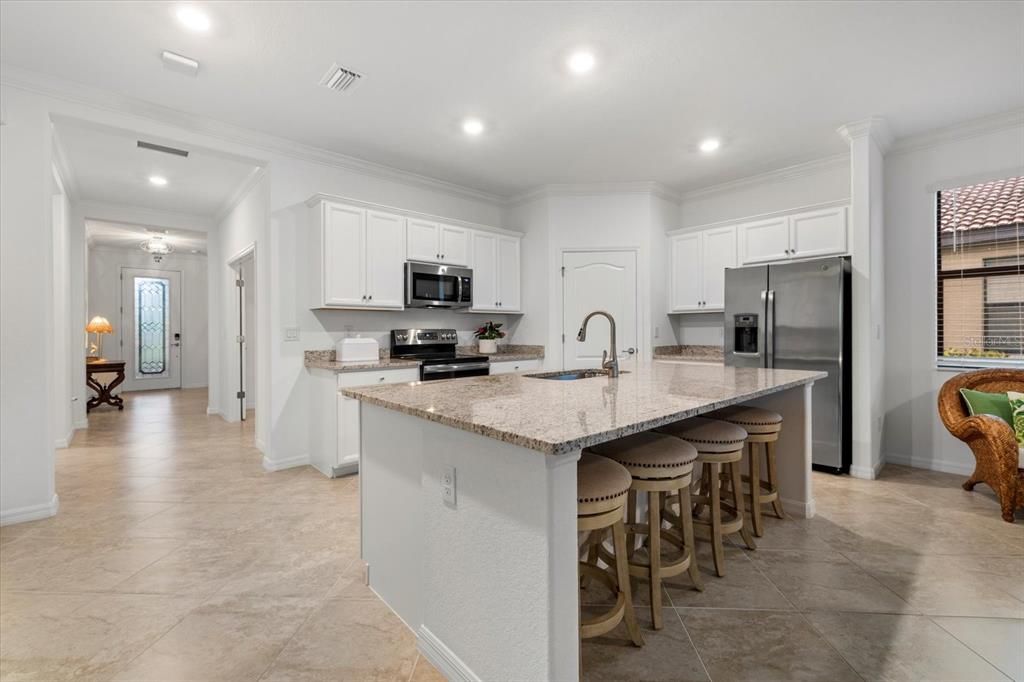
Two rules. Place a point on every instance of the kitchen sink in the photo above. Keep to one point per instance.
(572, 374)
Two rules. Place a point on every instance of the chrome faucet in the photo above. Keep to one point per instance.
(609, 363)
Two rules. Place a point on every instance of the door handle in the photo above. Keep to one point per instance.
(629, 351)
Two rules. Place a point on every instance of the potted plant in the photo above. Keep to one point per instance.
(487, 337)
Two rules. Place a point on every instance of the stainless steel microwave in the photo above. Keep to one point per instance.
(428, 285)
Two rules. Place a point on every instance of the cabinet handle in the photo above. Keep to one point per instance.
(369, 298)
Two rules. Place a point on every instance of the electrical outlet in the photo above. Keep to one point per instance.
(657, 331)
(448, 486)
(291, 333)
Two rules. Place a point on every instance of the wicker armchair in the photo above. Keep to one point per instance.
(991, 439)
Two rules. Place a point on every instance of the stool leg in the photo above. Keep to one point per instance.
(594, 545)
(737, 497)
(622, 575)
(688, 538)
(717, 553)
(654, 540)
(630, 519)
(703, 487)
(773, 480)
(755, 489)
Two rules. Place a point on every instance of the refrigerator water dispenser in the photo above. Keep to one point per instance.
(746, 333)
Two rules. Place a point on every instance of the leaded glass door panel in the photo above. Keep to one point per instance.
(151, 328)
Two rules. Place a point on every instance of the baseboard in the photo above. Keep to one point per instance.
(31, 513)
(945, 466)
(868, 473)
(279, 464)
(82, 423)
(259, 445)
(212, 411)
(443, 658)
(800, 509)
(345, 469)
(65, 442)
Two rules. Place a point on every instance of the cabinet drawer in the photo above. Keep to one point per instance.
(514, 366)
(382, 376)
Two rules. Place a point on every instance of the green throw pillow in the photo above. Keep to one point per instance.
(1017, 405)
(979, 402)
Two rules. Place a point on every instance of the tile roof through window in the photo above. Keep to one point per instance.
(988, 204)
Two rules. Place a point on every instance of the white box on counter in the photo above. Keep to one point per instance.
(358, 350)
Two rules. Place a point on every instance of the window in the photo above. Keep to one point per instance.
(980, 288)
(151, 319)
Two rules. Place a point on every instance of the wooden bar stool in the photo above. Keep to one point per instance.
(658, 464)
(719, 444)
(601, 490)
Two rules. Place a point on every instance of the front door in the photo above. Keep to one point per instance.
(151, 328)
(599, 280)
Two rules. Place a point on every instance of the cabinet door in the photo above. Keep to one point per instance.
(685, 277)
(485, 271)
(819, 233)
(454, 245)
(718, 253)
(764, 240)
(344, 250)
(508, 274)
(385, 260)
(424, 241)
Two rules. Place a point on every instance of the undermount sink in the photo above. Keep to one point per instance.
(571, 374)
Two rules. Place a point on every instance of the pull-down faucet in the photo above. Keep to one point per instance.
(609, 363)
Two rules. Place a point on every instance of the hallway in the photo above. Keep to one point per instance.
(176, 557)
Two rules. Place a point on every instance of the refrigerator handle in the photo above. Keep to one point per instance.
(770, 330)
(761, 333)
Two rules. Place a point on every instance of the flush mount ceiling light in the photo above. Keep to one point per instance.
(157, 180)
(710, 145)
(193, 18)
(156, 247)
(473, 126)
(581, 62)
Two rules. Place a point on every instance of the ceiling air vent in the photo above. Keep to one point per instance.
(341, 79)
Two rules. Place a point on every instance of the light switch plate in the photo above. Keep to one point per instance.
(448, 486)
(291, 333)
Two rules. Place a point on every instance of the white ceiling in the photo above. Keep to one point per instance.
(124, 236)
(773, 79)
(107, 165)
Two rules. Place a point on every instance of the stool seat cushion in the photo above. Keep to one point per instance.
(649, 454)
(753, 419)
(708, 435)
(599, 479)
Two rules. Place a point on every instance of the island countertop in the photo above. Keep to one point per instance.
(557, 417)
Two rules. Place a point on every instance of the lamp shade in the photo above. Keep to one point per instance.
(99, 325)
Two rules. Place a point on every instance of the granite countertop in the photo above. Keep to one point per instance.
(690, 353)
(327, 359)
(557, 417)
(506, 352)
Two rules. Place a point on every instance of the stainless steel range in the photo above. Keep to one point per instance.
(435, 349)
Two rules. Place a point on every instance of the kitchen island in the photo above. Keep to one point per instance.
(468, 498)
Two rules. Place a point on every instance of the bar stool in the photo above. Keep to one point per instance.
(762, 426)
(601, 490)
(658, 464)
(718, 444)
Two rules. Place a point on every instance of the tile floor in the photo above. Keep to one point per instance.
(176, 557)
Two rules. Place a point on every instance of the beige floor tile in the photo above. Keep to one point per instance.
(352, 583)
(667, 654)
(763, 646)
(199, 567)
(348, 640)
(287, 570)
(227, 638)
(999, 641)
(742, 587)
(897, 648)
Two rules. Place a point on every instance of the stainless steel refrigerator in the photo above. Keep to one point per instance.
(797, 316)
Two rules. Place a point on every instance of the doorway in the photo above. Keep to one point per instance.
(599, 280)
(151, 318)
(245, 283)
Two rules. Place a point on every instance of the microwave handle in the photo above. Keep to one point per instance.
(458, 291)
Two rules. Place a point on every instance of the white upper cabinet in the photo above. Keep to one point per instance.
(496, 273)
(697, 269)
(808, 234)
(437, 243)
(359, 257)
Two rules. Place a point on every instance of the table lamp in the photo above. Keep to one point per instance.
(98, 325)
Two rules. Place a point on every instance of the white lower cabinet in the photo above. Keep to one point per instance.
(334, 418)
(511, 366)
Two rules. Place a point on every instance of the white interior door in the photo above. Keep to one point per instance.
(151, 328)
(599, 280)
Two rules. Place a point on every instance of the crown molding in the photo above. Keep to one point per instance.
(798, 170)
(68, 91)
(874, 127)
(369, 205)
(594, 189)
(240, 193)
(960, 131)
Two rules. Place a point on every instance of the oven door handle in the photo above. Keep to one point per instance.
(454, 367)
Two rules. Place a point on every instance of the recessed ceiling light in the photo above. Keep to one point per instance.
(709, 145)
(193, 18)
(473, 126)
(581, 61)
(157, 180)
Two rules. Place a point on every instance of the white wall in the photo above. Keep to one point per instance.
(105, 291)
(914, 171)
(26, 311)
(63, 394)
(780, 190)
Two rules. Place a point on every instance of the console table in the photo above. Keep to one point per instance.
(103, 391)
